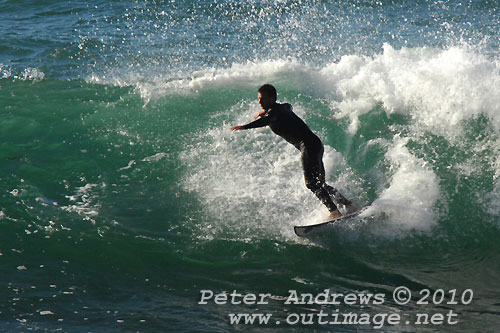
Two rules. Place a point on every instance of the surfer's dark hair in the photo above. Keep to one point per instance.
(268, 90)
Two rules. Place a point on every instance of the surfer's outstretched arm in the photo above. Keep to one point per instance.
(236, 128)
(261, 122)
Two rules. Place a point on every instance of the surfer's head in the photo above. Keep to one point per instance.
(267, 96)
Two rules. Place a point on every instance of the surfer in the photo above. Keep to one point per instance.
(285, 123)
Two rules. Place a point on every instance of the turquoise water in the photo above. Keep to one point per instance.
(123, 194)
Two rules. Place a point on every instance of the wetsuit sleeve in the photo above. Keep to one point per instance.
(261, 122)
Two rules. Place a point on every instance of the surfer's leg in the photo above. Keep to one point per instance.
(349, 206)
(337, 196)
(314, 175)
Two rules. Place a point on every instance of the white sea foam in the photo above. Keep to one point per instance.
(493, 198)
(84, 202)
(439, 89)
(155, 158)
(410, 197)
(247, 75)
(29, 73)
(5, 72)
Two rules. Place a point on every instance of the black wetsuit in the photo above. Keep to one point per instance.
(285, 123)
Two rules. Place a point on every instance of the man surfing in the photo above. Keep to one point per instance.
(285, 123)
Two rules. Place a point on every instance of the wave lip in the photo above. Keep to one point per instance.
(438, 88)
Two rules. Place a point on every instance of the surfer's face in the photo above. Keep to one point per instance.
(266, 101)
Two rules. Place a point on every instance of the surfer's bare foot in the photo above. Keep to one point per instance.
(334, 215)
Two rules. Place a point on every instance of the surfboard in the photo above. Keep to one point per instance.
(304, 230)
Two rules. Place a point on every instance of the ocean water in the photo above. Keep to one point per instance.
(124, 197)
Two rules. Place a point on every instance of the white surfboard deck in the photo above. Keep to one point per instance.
(304, 230)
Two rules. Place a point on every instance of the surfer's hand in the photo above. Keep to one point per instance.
(259, 114)
(236, 128)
